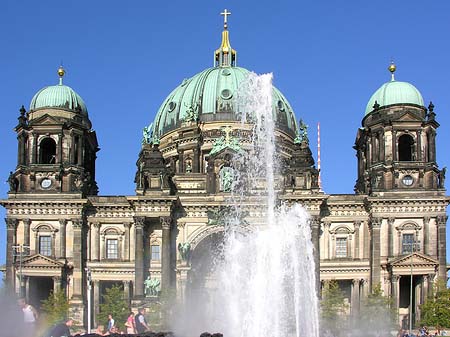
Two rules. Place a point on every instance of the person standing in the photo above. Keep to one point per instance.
(130, 324)
(61, 329)
(30, 316)
(110, 323)
(140, 322)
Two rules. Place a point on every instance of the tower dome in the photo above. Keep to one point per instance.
(58, 96)
(394, 92)
(210, 95)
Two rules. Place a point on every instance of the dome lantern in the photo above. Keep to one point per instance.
(225, 56)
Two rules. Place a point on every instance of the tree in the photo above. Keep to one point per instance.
(436, 310)
(378, 314)
(114, 304)
(333, 308)
(55, 307)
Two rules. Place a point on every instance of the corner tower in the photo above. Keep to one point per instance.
(56, 145)
(395, 146)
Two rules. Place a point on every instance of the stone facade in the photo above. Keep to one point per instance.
(391, 228)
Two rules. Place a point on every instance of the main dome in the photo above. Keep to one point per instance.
(210, 96)
(211, 93)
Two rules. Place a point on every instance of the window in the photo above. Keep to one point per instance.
(407, 243)
(155, 252)
(341, 247)
(47, 151)
(406, 148)
(112, 249)
(45, 245)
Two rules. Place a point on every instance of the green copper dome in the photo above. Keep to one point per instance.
(58, 96)
(210, 94)
(395, 92)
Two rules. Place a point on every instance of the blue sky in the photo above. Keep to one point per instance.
(124, 58)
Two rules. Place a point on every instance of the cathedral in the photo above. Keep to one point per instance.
(62, 235)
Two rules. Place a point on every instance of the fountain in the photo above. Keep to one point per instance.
(266, 278)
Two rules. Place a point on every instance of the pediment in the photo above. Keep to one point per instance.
(222, 154)
(46, 120)
(409, 116)
(417, 260)
(40, 261)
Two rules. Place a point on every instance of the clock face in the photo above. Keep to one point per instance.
(407, 180)
(46, 183)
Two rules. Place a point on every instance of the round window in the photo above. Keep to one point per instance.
(226, 94)
(407, 180)
(280, 105)
(226, 72)
(172, 106)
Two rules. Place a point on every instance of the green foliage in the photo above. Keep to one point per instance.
(378, 314)
(436, 310)
(333, 308)
(114, 304)
(55, 307)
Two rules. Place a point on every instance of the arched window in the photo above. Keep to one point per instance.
(47, 151)
(406, 148)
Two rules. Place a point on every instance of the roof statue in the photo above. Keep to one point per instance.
(147, 134)
(302, 133)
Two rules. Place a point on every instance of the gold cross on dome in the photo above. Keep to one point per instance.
(225, 14)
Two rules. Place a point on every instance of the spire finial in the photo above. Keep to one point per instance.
(225, 56)
(61, 73)
(392, 68)
(225, 14)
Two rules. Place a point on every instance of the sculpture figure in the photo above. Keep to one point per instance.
(147, 134)
(191, 113)
(13, 183)
(302, 133)
(226, 179)
(185, 250)
(152, 287)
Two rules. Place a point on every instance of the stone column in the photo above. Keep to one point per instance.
(126, 291)
(95, 241)
(315, 236)
(96, 288)
(62, 237)
(375, 266)
(196, 160)
(430, 280)
(382, 146)
(426, 235)
(77, 225)
(139, 223)
(365, 287)
(26, 232)
(166, 224)
(395, 289)
(419, 145)
(357, 225)
(441, 222)
(326, 236)
(394, 145)
(366, 240)
(56, 284)
(391, 222)
(11, 230)
(127, 241)
(355, 296)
